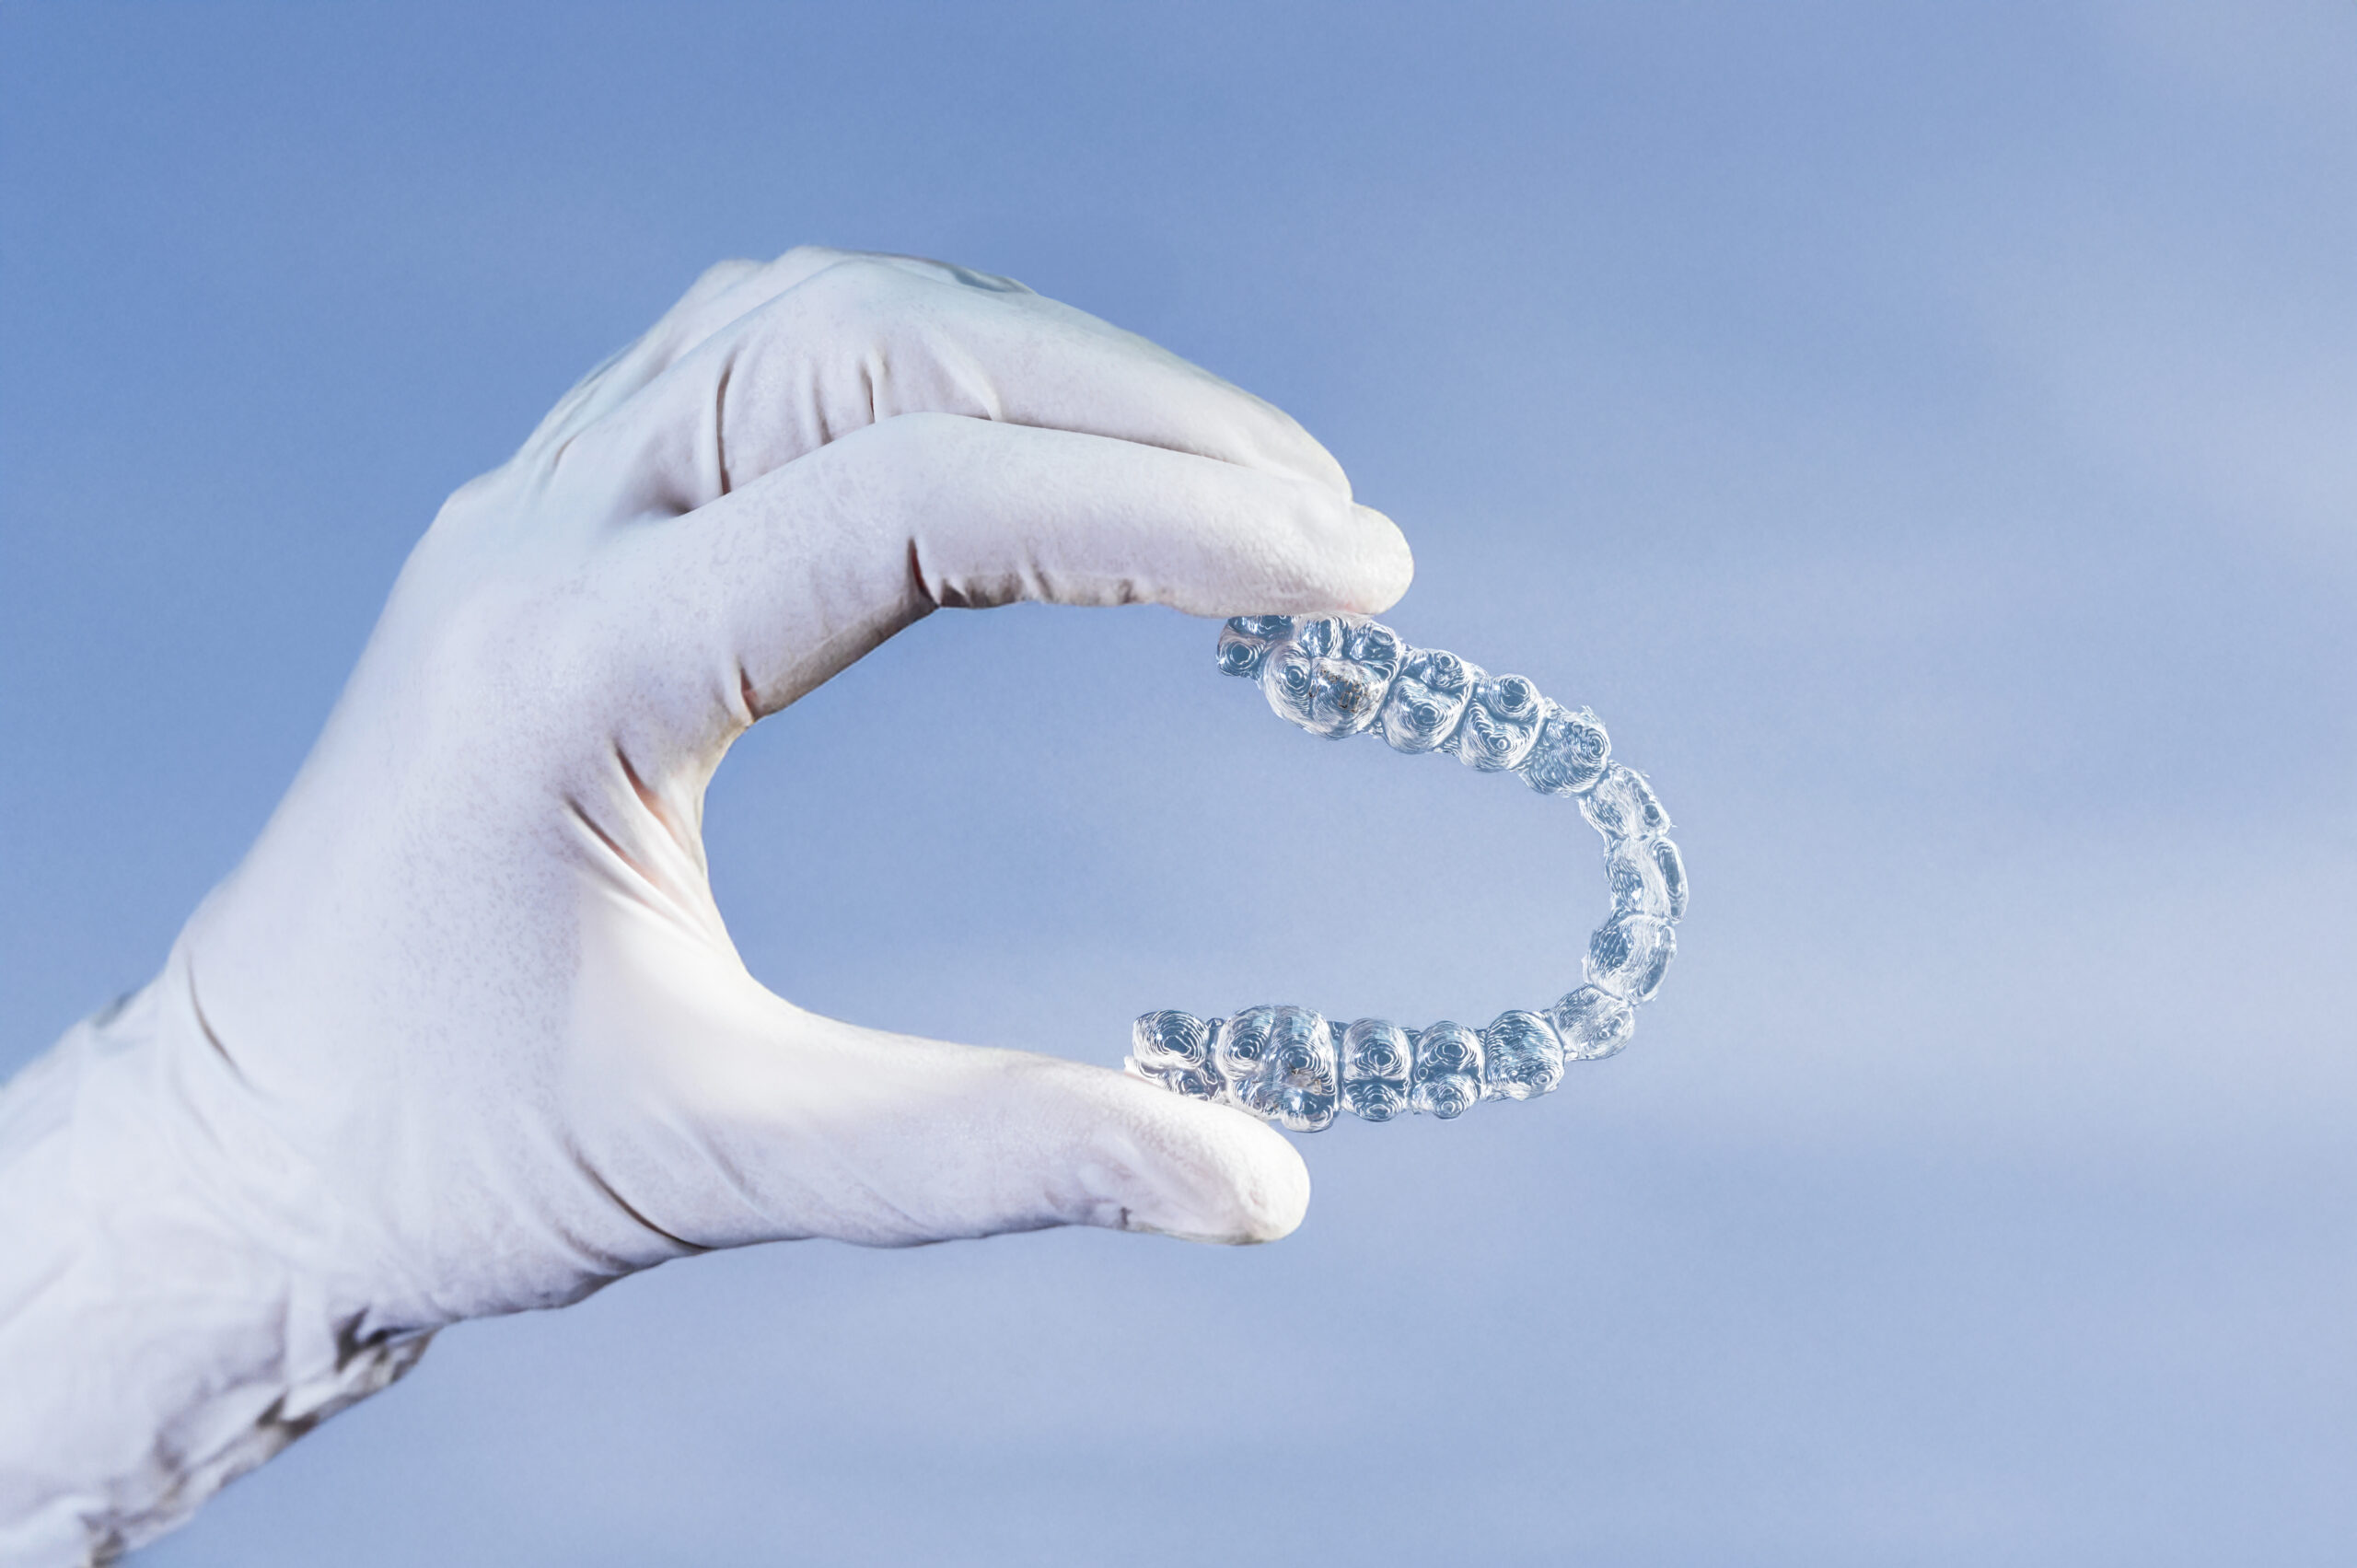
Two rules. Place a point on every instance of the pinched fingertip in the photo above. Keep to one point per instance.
(1310, 555)
(1169, 1166)
(1384, 563)
(1259, 1193)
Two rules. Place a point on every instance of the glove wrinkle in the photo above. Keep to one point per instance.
(597, 1180)
(132, 1234)
(720, 425)
(685, 837)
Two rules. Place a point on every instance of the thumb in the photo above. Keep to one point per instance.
(726, 1115)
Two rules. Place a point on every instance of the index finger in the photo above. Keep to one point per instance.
(866, 338)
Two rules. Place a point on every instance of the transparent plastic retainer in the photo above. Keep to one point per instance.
(1339, 675)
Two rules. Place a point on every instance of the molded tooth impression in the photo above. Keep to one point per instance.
(1501, 723)
(1592, 1024)
(1447, 1078)
(1646, 877)
(1331, 675)
(1672, 868)
(1377, 1058)
(1244, 643)
(1278, 1065)
(1623, 806)
(1427, 700)
(1570, 752)
(1520, 1057)
(1629, 954)
(1338, 676)
(1174, 1048)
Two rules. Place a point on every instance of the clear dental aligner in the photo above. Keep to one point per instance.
(1339, 675)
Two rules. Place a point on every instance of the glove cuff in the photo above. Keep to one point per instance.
(159, 1334)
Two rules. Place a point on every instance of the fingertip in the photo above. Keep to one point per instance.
(1293, 549)
(713, 283)
(1386, 563)
(1272, 1195)
(1254, 1200)
(1206, 1173)
(727, 273)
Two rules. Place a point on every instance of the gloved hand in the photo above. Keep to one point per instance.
(465, 1033)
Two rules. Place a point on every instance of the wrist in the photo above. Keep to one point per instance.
(169, 1313)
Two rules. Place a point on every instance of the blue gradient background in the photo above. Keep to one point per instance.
(1927, 434)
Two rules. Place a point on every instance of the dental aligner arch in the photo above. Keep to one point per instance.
(1339, 675)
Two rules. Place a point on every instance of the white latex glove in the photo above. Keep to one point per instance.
(465, 1033)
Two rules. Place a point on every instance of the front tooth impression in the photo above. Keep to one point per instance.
(1646, 877)
(1672, 868)
(1629, 954)
(1501, 723)
(1592, 1024)
(1427, 700)
(1623, 806)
